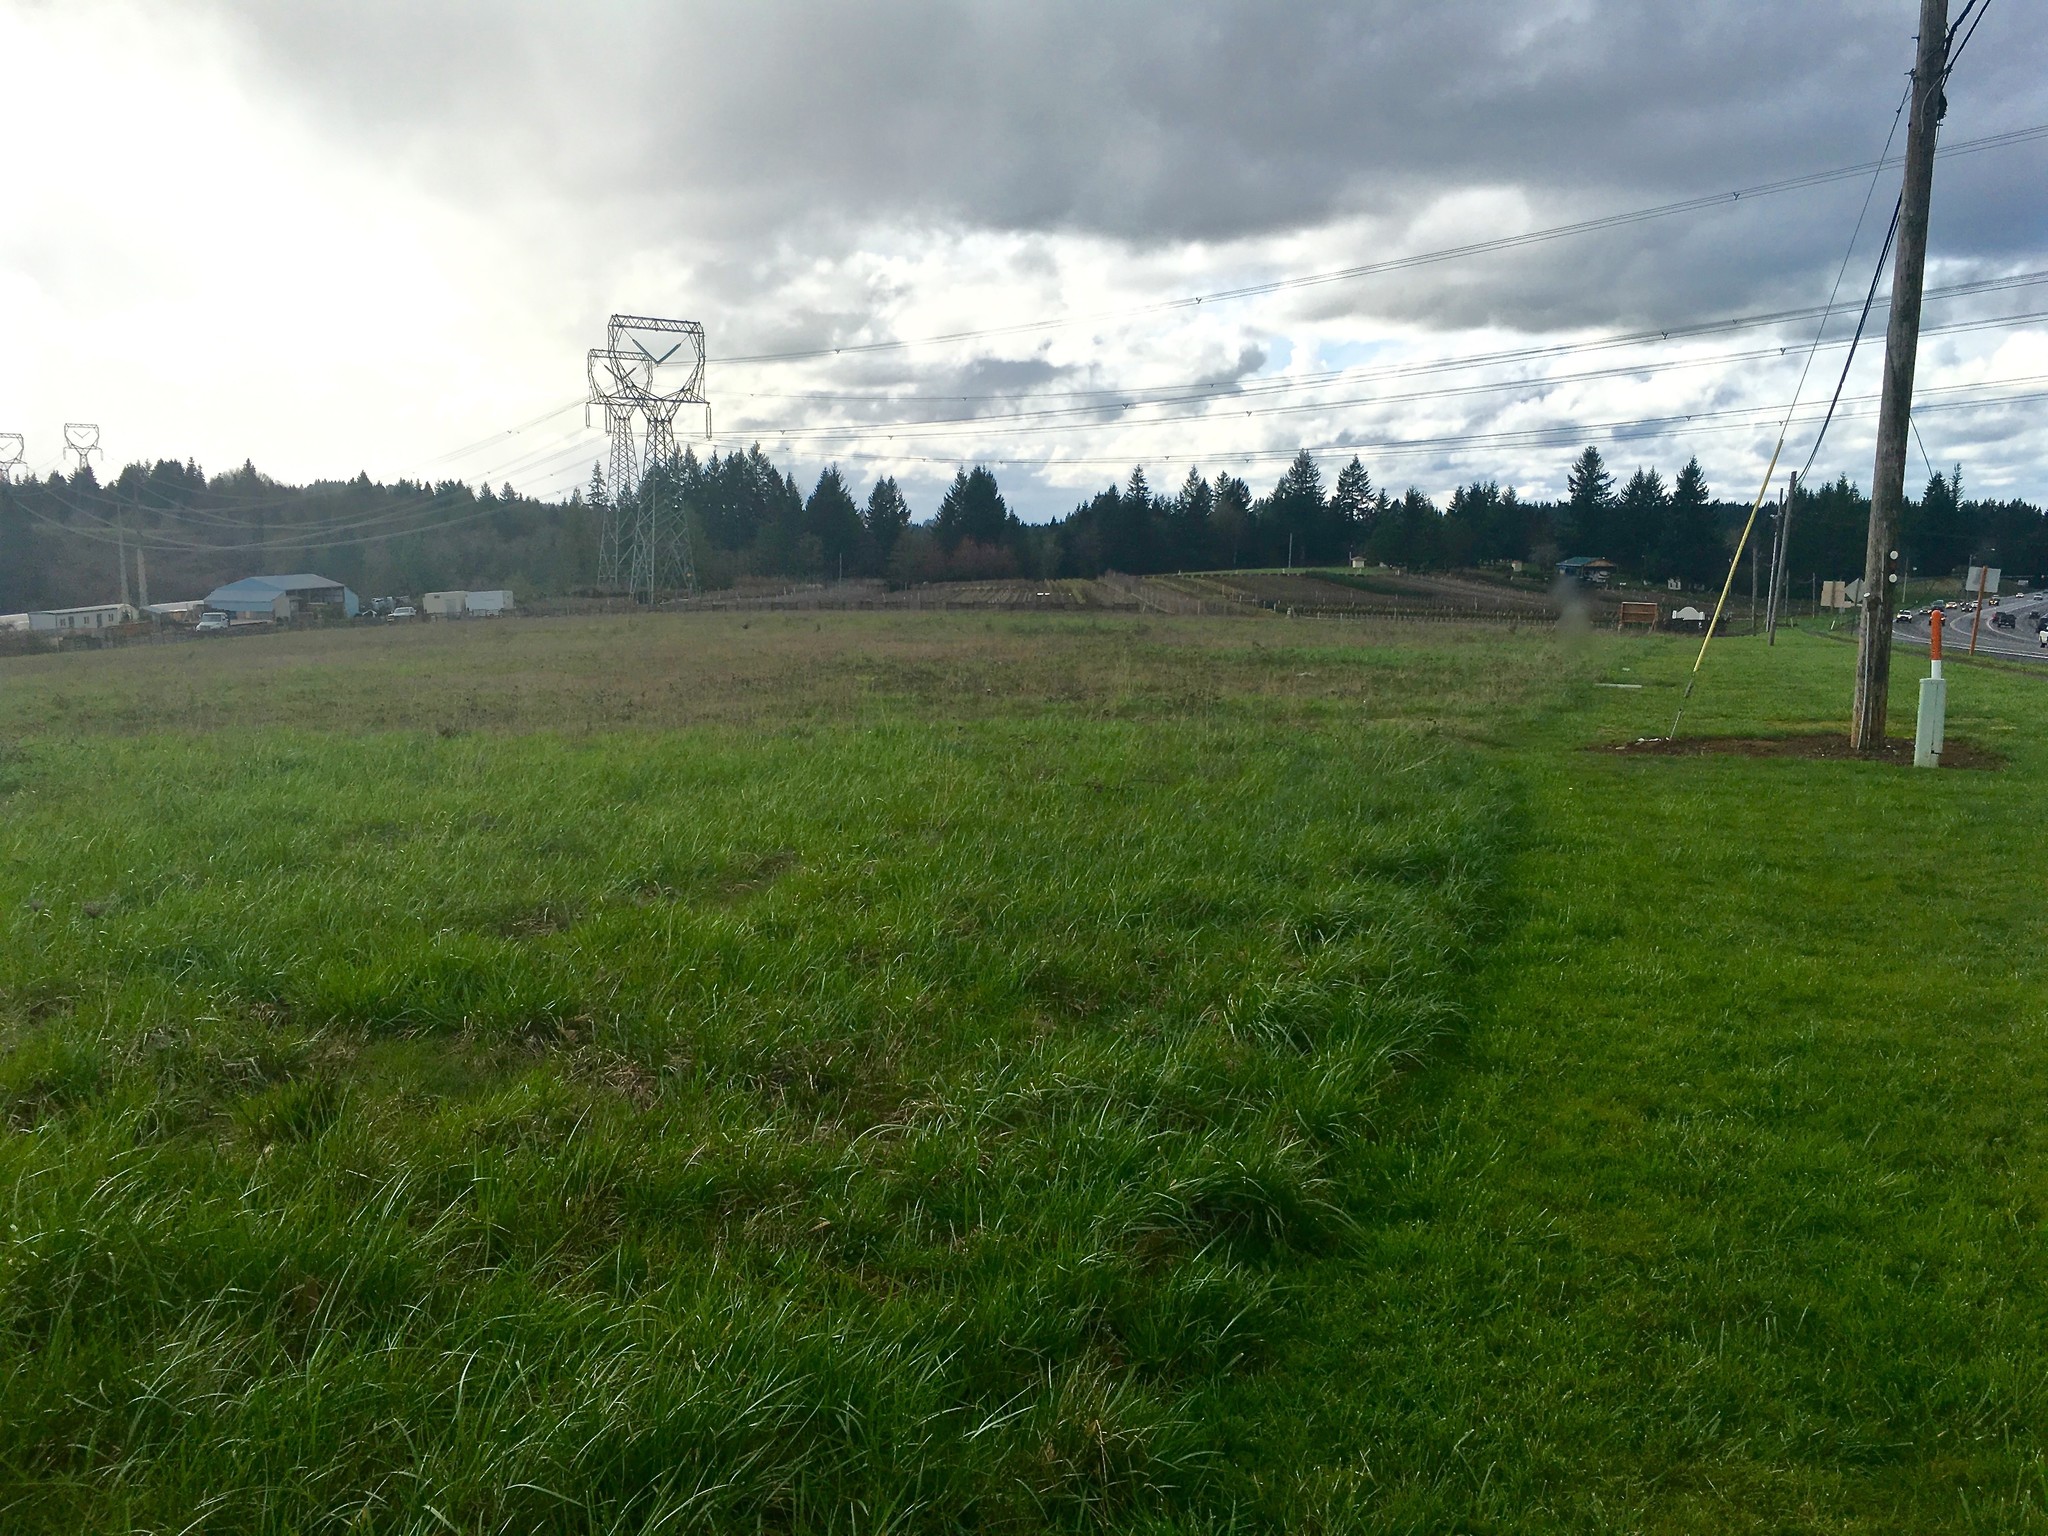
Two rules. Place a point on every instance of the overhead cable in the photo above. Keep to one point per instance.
(1392, 264)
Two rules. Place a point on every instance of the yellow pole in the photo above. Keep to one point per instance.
(1740, 544)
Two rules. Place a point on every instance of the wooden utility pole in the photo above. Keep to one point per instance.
(1895, 411)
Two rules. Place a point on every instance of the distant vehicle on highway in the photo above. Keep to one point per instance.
(2004, 621)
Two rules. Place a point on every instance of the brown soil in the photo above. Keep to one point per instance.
(1834, 744)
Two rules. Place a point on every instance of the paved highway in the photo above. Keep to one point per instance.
(2029, 611)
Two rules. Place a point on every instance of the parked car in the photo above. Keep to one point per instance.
(404, 611)
(210, 624)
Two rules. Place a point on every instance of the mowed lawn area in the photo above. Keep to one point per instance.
(921, 1072)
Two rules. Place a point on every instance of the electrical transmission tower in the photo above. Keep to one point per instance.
(13, 454)
(611, 380)
(82, 438)
(649, 367)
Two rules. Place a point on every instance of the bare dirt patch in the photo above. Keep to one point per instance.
(1957, 753)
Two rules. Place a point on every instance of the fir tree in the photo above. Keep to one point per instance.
(1231, 514)
(1190, 532)
(1638, 527)
(1297, 516)
(886, 516)
(1130, 532)
(1690, 548)
(973, 509)
(834, 521)
(1589, 496)
(1352, 505)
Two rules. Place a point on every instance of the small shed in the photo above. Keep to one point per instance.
(1588, 569)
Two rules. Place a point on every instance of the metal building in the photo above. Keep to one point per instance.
(282, 597)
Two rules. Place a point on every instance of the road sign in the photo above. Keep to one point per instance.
(1852, 592)
(1988, 578)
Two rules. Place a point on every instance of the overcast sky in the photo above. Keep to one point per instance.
(380, 236)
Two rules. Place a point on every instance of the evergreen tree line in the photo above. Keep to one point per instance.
(59, 544)
(750, 518)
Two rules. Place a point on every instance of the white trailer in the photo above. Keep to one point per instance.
(444, 605)
(67, 620)
(488, 604)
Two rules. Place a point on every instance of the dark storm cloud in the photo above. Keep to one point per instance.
(1145, 121)
(782, 131)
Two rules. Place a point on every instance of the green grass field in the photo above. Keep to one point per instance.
(921, 1072)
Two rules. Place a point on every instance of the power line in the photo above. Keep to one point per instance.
(1876, 276)
(1730, 418)
(228, 503)
(1206, 388)
(106, 532)
(1062, 419)
(1905, 97)
(1393, 264)
(484, 442)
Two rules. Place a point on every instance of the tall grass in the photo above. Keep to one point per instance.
(868, 1120)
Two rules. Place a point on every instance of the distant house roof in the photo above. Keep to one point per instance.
(1585, 563)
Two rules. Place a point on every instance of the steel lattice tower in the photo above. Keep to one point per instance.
(669, 562)
(13, 454)
(82, 438)
(611, 379)
(645, 546)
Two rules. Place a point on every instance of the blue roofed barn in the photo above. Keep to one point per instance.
(282, 597)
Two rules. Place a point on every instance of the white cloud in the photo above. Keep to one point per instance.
(337, 237)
